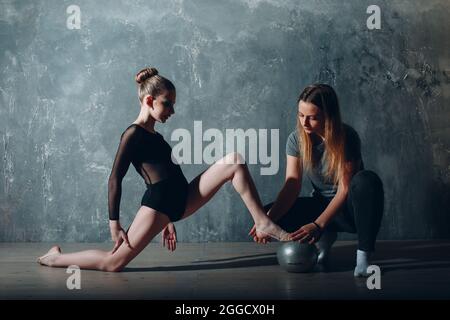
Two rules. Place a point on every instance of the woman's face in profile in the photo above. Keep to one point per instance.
(311, 118)
(163, 106)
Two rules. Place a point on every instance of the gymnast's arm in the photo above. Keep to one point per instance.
(121, 164)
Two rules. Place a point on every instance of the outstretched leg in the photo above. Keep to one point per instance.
(146, 225)
(232, 168)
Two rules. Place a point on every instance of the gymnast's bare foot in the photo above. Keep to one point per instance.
(269, 228)
(48, 258)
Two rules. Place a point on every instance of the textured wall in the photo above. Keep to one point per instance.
(66, 96)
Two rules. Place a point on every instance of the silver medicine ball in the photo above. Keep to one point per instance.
(294, 256)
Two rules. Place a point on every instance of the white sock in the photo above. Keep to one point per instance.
(362, 262)
(324, 245)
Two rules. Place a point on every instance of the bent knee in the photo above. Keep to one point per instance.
(366, 178)
(234, 158)
(110, 265)
(114, 268)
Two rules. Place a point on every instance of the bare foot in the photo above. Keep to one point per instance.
(48, 258)
(269, 228)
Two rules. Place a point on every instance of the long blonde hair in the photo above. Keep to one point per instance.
(324, 97)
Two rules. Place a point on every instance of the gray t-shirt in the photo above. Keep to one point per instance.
(321, 184)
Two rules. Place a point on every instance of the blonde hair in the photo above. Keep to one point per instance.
(151, 83)
(324, 97)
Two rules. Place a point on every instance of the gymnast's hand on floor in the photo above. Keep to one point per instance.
(308, 233)
(257, 239)
(169, 237)
(118, 235)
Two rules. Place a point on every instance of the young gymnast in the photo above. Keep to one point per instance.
(169, 197)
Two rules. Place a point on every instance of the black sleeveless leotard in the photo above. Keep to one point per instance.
(151, 156)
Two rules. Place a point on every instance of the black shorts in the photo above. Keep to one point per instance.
(168, 196)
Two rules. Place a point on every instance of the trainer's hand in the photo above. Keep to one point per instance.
(257, 239)
(118, 235)
(169, 237)
(307, 233)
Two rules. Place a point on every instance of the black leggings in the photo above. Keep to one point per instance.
(361, 212)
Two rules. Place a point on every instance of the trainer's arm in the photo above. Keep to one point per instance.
(341, 195)
(290, 190)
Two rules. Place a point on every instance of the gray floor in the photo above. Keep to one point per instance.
(410, 270)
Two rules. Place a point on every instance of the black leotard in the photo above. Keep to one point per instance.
(151, 156)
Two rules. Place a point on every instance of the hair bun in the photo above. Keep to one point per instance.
(144, 74)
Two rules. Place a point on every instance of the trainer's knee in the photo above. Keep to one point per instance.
(366, 179)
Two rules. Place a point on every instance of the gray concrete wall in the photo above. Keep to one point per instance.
(67, 95)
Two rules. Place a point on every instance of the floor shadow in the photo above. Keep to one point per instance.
(389, 256)
(235, 258)
(395, 255)
(234, 263)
